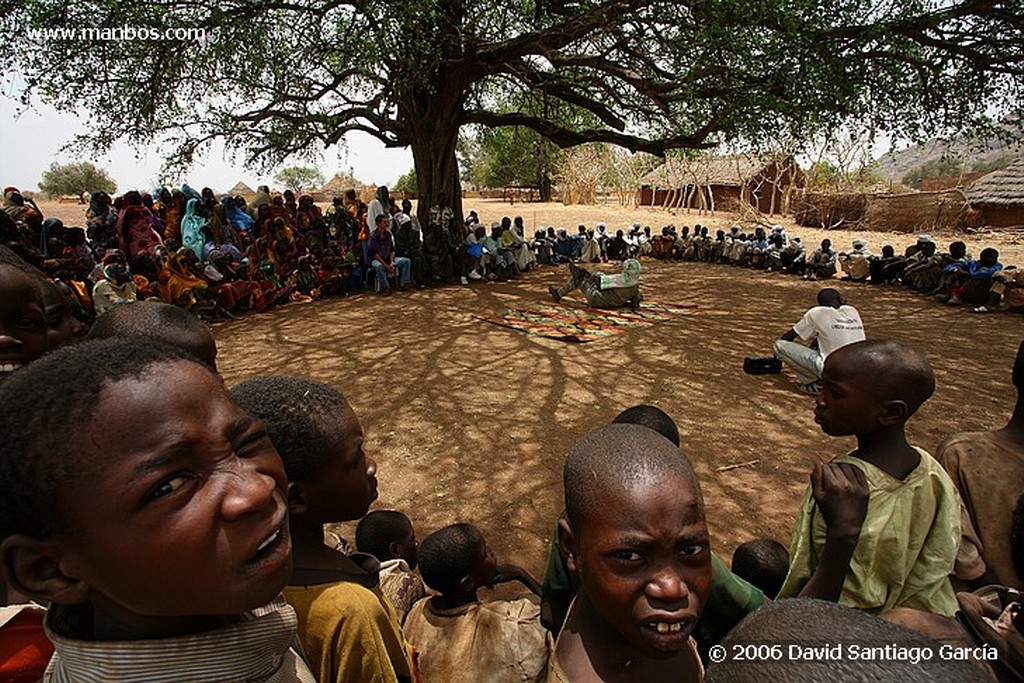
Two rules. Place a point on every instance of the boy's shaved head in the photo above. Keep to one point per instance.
(892, 370)
(43, 405)
(762, 562)
(378, 530)
(298, 413)
(651, 417)
(806, 623)
(618, 455)
(160, 322)
(448, 555)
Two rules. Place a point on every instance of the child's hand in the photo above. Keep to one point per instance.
(511, 572)
(841, 492)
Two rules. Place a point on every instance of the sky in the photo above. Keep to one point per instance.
(33, 139)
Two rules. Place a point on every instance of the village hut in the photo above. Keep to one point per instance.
(999, 196)
(336, 187)
(722, 182)
(242, 189)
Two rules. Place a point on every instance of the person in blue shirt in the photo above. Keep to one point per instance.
(972, 280)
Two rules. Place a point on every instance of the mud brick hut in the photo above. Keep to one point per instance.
(722, 182)
(999, 196)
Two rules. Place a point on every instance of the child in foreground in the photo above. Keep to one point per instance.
(161, 551)
(731, 597)
(463, 640)
(879, 527)
(637, 537)
(23, 330)
(388, 535)
(349, 631)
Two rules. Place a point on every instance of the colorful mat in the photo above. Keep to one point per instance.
(566, 322)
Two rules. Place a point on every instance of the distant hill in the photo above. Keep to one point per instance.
(947, 157)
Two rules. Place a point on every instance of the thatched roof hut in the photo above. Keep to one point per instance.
(241, 188)
(999, 196)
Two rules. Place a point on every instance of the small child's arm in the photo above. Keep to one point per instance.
(840, 491)
(512, 572)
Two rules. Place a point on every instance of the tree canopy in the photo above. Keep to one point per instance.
(298, 178)
(281, 79)
(73, 179)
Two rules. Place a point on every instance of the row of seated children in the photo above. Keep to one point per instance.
(622, 481)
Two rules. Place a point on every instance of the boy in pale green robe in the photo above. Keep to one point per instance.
(879, 527)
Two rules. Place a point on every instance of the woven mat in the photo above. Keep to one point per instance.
(566, 322)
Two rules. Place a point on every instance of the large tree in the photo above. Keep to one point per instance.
(299, 178)
(280, 78)
(73, 179)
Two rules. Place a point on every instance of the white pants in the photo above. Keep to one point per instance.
(806, 363)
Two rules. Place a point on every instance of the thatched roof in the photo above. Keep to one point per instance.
(730, 171)
(1004, 187)
(338, 184)
(240, 188)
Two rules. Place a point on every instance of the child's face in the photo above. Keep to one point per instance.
(485, 568)
(644, 560)
(23, 331)
(348, 485)
(62, 327)
(409, 548)
(845, 405)
(178, 503)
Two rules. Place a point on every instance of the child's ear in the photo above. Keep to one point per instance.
(33, 569)
(394, 550)
(296, 501)
(466, 584)
(893, 413)
(567, 540)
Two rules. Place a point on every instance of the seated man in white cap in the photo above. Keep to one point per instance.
(895, 270)
(855, 262)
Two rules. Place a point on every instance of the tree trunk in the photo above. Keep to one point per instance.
(437, 169)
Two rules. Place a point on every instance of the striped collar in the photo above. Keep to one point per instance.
(260, 648)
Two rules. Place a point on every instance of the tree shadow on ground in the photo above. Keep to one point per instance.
(471, 422)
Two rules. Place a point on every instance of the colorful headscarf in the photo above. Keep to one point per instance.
(192, 228)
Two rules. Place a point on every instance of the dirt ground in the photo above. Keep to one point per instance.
(471, 422)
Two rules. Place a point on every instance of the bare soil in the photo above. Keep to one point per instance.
(469, 421)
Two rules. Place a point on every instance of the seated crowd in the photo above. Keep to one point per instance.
(216, 256)
(954, 276)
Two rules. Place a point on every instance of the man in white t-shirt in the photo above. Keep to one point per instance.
(828, 326)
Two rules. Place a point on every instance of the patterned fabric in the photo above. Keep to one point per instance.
(569, 323)
(262, 647)
(401, 586)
